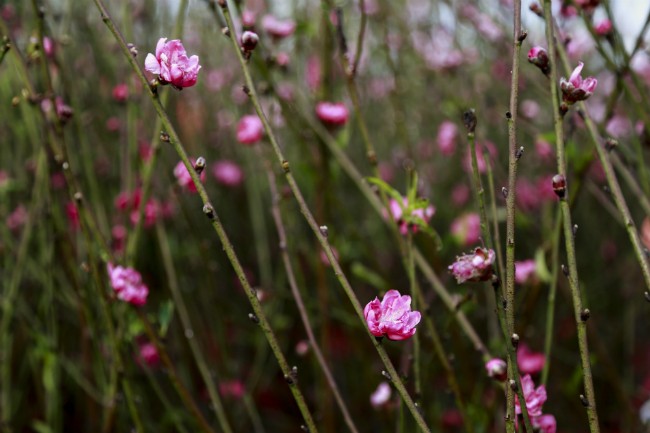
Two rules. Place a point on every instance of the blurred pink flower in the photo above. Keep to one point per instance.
(460, 194)
(325, 260)
(183, 176)
(148, 354)
(398, 215)
(446, 138)
(63, 111)
(481, 147)
(619, 126)
(381, 396)
(529, 108)
(278, 28)
(127, 284)
(113, 124)
(497, 369)
(120, 92)
(575, 88)
(466, 229)
(282, 59)
(473, 267)
(332, 113)
(248, 18)
(250, 129)
(545, 188)
(72, 212)
(529, 362)
(227, 173)
(17, 218)
(118, 235)
(302, 347)
(48, 46)
(313, 73)
(587, 5)
(232, 389)
(392, 317)
(527, 198)
(544, 423)
(172, 65)
(604, 27)
(525, 270)
(544, 149)
(535, 398)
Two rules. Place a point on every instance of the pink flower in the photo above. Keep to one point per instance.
(232, 389)
(473, 267)
(250, 129)
(525, 271)
(527, 197)
(332, 113)
(529, 362)
(422, 215)
(497, 369)
(72, 212)
(128, 285)
(446, 138)
(149, 354)
(543, 149)
(481, 148)
(48, 47)
(278, 28)
(575, 88)
(17, 218)
(604, 27)
(227, 173)
(381, 396)
(529, 108)
(121, 92)
(535, 398)
(538, 56)
(466, 229)
(248, 18)
(172, 65)
(544, 423)
(118, 234)
(392, 317)
(183, 176)
(460, 194)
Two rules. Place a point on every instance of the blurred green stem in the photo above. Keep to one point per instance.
(574, 282)
(179, 303)
(550, 308)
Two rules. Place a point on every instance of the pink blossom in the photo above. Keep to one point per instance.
(568, 11)
(250, 129)
(127, 284)
(113, 124)
(527, 197)
(460, 194)
(529, 362)
(248, 18)
(148, 354)
(17, 218)
(529, 108)
(423, 215)
(118, 233)
(544, 423)
(575, 88)
(232, 389)
(332, 113)
(72, 212)
(604, 27)
(392, 317)
(313, 73)
(587, 5)
(466, 229)
(525, 270)
(535, 398)
(48, 46)
(302, 347)
(381, 396)
(481, 147)
(473, 267)
(63, 111)
(227, 173)
(120, 92)
(151, 212)
(278, 28)
(538, 56)
(172, 65)
(446, 138)
(497, 369)
(544, 149)
(183, 176)
(619, 126)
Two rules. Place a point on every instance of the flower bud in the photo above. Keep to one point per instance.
(559, 185)
(249, 41)
(539, 57)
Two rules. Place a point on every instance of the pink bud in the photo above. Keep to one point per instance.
(539, 57)
(604, 27)
(227, 173)
(525, 271)
(278, 28)
(497, 369)
(149, 354)
(446, 139)
(249, 40)
(171, 64)
(381, 396)
(121, 92)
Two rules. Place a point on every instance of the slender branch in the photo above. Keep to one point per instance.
(550, 308)
(258, 316)
(316, 229)
(574, 282)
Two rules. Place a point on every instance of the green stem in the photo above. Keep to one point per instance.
(392, 372)
(479, 192)
(574, 282)
(550, 308)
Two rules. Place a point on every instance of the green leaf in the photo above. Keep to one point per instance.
(541, 267)
(49, 372)
(386, 188)
(41, 427)
(165, 315)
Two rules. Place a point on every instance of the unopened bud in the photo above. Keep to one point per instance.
(164, 137)
(249, 40)
(514, 340)
(584, 400)
(538, 56)
(585, 314)
(559, 185)
(536, 9)
(469, 119)
(133, 49)
(610, 144)
(199, 165)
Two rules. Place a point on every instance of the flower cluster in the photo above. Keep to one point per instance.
(473, 267)
(535, 398)
(392, 317)
(576, 89)
(172, 65)
(127, 284)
